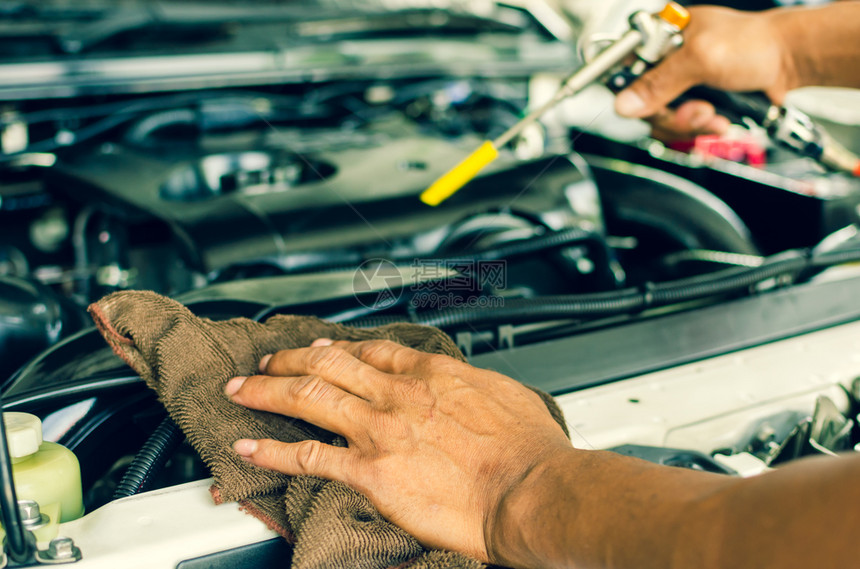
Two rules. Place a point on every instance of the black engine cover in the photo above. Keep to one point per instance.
(336, 195)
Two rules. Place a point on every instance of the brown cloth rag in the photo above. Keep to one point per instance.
(188, 360)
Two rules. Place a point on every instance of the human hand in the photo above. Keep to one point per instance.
(723, 48)
(434, 443)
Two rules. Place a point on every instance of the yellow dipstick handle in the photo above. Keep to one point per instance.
(460, 175)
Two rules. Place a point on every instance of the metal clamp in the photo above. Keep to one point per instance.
(795, 130)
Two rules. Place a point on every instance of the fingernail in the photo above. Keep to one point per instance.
(264, 361)
(629, 104)
(234, 385)
(245, 447)
(322, 342)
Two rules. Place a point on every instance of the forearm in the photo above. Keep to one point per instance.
(822, 44)
(596, 509)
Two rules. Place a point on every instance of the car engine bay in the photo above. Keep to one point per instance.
(689, 310)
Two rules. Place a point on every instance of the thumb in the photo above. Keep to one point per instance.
(655, 89)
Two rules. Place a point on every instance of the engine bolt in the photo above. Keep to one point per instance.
(30, 512)
(31, 516)
(62, 548)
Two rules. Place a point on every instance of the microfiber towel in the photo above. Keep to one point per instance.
(187, 360)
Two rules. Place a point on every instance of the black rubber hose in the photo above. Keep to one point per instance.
(600, 250)
(521, 310)
(832, 258)
(140, 132)
(518, 310)
(552, 240)
(150, 459)
(19, 543)
(728, 280)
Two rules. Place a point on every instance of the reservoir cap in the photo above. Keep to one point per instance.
(676, 15)
(24, 432)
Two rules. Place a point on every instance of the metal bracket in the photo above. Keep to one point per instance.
(464, 343)
(60, 551)
(506, 337)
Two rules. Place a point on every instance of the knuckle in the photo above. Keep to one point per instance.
(308, 456)
(697, 46)
(440, 363)
(308, 388)
(657, 88)
(328, 360)
(648, 86)
(665, 82)
(702, 54)
(386, 344)
(414, 390)
(374, 348)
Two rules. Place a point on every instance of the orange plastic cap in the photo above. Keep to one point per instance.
(676, 15)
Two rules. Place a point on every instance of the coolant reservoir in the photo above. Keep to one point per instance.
(46, 472)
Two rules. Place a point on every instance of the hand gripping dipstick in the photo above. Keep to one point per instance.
(651, 37)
